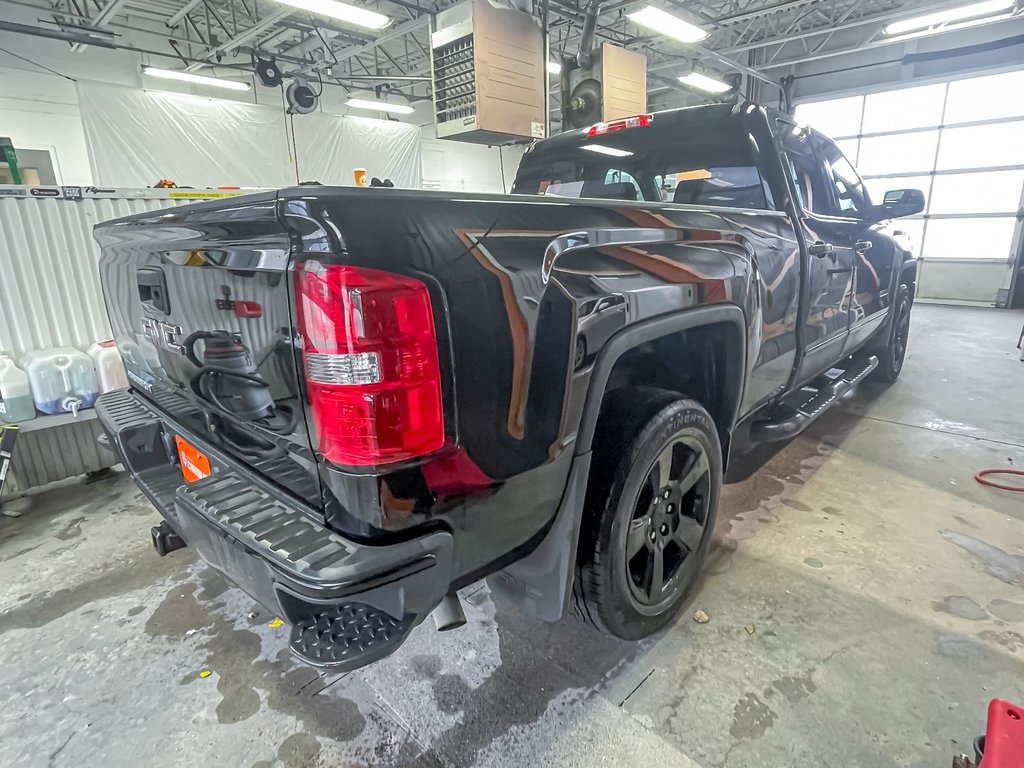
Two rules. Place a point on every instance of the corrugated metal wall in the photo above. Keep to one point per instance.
(48, 455)
(49, 283)
(50, 296)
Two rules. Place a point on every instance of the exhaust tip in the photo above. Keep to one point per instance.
(449, 614)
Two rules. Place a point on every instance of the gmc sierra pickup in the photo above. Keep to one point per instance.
(354, 402)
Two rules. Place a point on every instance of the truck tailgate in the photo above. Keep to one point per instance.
(198, 299)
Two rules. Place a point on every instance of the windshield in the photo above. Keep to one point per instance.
(707, 162)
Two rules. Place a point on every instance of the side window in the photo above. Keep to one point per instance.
(806, 170)
(851, 196)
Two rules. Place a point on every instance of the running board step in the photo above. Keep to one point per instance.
(789, 420)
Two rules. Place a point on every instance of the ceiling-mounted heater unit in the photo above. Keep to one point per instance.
(611, 85)
(489, 74)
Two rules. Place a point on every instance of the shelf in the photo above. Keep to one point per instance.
(56, 420)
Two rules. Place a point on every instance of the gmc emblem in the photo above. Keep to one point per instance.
(163, 335)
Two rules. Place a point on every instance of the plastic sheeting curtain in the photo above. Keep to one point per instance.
(136, 138)
(329, 147)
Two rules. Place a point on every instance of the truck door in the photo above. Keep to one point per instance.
(874, 254)
(828, 259)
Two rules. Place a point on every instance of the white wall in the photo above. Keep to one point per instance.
(40, 111)
(968, 281)
(461, 167)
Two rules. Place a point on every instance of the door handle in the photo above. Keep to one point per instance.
(863, 245)
(822, 249)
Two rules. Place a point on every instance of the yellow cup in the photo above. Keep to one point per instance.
(360, 176)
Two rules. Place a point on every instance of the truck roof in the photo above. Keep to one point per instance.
(670, 116)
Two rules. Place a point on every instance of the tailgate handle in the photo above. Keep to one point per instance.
(153, 289)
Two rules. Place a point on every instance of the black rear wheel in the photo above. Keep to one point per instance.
(892, 356)
(648, 530)
(668, 521)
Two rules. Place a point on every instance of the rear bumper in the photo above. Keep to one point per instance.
(348, 604)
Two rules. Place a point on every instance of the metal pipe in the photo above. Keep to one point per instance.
(388, 78)
(57, 34)
(449, 613)
(62, 14)
(585, 53)
(545, 7)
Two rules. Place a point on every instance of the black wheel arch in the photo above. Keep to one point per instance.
(907, 275)
(723, 402)
(541, 583)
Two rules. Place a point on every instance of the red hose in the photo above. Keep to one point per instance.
(982, 476)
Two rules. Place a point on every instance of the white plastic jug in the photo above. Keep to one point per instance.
(15, 394)
(62, 380)
(109, 368)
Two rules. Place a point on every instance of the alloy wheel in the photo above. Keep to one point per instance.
(668, 521)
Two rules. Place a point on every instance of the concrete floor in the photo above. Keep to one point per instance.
(865, 597)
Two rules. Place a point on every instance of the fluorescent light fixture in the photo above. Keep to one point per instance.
(554, 68)
(380, 106)
(963, 12)
(603, 150)
(360, 17)
(951, 27)
(704, 83)
(188, 77)
(665, 23)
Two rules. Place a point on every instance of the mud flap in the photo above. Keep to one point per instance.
(540, 583)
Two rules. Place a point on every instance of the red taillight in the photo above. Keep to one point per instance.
(370, 356)
(640, 121)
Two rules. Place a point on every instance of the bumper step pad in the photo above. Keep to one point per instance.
(352, 632)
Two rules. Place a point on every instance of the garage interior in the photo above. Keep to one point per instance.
(863, 597)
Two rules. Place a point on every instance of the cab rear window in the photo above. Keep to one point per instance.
(707, 163)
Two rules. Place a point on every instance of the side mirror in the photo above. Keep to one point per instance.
(898, 203)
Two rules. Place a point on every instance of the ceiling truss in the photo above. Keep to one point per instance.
(758, 37)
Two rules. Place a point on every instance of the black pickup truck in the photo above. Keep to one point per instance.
(354, 402)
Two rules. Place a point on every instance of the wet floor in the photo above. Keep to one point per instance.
(866, 599)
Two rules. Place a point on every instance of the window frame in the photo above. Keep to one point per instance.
(784, 128)
(825, 145)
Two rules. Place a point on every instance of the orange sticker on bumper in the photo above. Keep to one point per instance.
(194, 464)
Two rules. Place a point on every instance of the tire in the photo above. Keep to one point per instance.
(892, 355)
(649, 433)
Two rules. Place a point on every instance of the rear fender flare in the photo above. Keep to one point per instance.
(649, 330)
